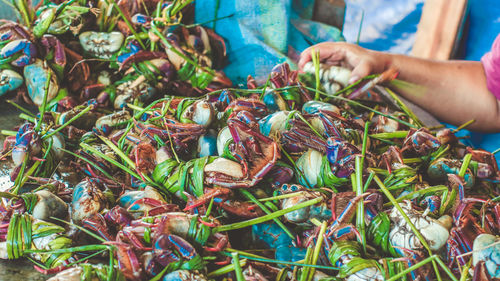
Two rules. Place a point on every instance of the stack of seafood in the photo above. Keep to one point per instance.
(142, 163)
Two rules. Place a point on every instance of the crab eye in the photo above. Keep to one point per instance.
(294, 188)
(284, 187)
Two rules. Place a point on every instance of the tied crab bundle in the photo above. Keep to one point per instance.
(143, 164)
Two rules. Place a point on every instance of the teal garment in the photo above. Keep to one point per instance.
(263, 33)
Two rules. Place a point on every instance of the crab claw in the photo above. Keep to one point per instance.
(166, 245)
(420, 141)
(128, 261)
(23, 47)
(256, 153)
(215, 193)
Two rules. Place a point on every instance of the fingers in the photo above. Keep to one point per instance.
(362, 69)
(305, 57)
(333, 52)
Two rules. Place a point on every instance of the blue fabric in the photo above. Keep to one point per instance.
(263, 33)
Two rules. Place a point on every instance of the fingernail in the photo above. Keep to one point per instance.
(353, 79)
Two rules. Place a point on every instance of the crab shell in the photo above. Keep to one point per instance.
(106, 122)
(49, 205)
(484, 250)
(24, 47)
(176, 223)
(9, 81)
(402, 236)
(129, 199)
(369, 273)
(310, 164)
(274, 123)
(101, 44)
(222, 138)
(36, 76)
(225, 166)
(70, 274)
(302, 216)
(314, 106)
(332, 78)
(274, 101)
(207, 145)
(183, 275)
(87, 200)
(200, 112)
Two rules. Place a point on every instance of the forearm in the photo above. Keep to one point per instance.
(453, 91)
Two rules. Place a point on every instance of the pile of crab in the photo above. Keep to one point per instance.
(143, 164)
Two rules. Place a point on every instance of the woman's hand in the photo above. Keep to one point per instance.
(453, 91)
(362, 61)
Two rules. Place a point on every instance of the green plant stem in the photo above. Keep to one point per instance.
(465, 165)
(237, 267)
(368, 181)
(44, 102)
(408, 221)
(85, 248)
(296, 113)
(19, 177)
(393, 135)
(48, 135)
(27, 112)
(110, 160)
(90, 163)
(365, 140)
(445, 268)
(27, 118)
(90, 233)
(360, 26)
(252, 198)
(283, 196)
(86, 258)
(296, 168)
(125, 158)
(129, 25)
(464, 125)
(265, 218)
(317, 250)
(226, 269)
(8, 133)
(403, 107)
(360, 210)
(315, 61)
(364, 107)
(263, 259)
(417, 193)
(496, 151)
(160, 275)
(411, 268)
(465, 271)
(305, 270)
(144, 110)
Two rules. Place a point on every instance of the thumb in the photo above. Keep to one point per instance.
(304, 58)
(361, 70)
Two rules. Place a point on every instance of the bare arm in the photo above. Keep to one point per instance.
(453, 91)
